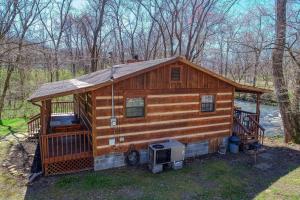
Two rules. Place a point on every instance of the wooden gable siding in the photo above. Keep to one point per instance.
(172, 110)
(160, 79)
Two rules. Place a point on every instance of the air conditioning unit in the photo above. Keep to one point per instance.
(170, 153)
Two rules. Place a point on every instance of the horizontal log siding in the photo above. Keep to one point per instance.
(172, 110)
(164, 119)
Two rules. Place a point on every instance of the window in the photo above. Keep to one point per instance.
(135, 107)
(175, 74)
(207, 103)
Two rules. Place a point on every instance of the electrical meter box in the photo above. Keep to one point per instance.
(113, 122)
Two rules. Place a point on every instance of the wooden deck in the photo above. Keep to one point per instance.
(67, 152)
(66, 146)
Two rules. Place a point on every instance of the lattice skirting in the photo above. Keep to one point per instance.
(69, 166)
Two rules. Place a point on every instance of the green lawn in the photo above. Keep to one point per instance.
(16, 125)
(284, 188)
(204, 181)
(216, 177)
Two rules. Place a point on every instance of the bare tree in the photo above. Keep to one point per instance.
(56, 26)
(290, 120)
(8, 12)
(28, 11)
(92, 24)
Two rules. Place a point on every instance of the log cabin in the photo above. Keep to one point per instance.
(132, 105)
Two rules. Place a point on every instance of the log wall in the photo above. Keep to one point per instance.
(172, 110)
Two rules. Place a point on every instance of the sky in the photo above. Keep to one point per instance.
(78, 4)
(240, 6)
(243, 6)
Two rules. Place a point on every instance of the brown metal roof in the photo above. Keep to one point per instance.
(103, 77)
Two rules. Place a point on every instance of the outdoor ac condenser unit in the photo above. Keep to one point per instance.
(169, 152)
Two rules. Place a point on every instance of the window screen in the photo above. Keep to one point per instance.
(175, 73)
(207, 103)
(135, 107)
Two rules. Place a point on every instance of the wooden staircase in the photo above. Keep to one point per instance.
(34, 127)
(247, 127)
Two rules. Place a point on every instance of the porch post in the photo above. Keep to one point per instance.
(43, 120)
(257, 106)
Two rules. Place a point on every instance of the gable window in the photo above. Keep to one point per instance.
(207, 103)
(175, 74)
(135, 107)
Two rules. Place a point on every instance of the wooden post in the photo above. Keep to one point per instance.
(257, 106)
(42, 133)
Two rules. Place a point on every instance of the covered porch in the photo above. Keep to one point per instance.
(64, 133)
(246, 124)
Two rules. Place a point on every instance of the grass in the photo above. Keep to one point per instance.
(16, 125)
(148, 185)
(283, 188)
(227, 177)
(194, 181)
(211, 178)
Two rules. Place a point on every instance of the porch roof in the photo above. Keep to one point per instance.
(103, 77)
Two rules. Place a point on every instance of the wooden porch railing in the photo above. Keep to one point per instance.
(247, 126)
(241, 114)
(240, 130)
(34, 126)
(258, 129)
(62, 107)
(66, 146)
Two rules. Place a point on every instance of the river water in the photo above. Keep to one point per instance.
(270, 117)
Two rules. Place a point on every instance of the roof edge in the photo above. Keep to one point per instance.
(239, 86)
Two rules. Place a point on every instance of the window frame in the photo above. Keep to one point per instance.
(200, 103)
(125, 107)
(180, 74)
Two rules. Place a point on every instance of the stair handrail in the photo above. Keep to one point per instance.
(244, 132)
(241, 125)
(34, 118)
(260, 131)
(256, 122)
(34, 124)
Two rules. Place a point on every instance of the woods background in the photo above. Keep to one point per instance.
(49, 40)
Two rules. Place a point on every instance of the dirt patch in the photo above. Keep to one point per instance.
(22, 159)
(130, 192)
(278, 142)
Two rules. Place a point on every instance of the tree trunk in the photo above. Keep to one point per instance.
(257, 56)
(226, 61)
(289, 123)
(10, 70)
(74, 69)
(56, 65)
